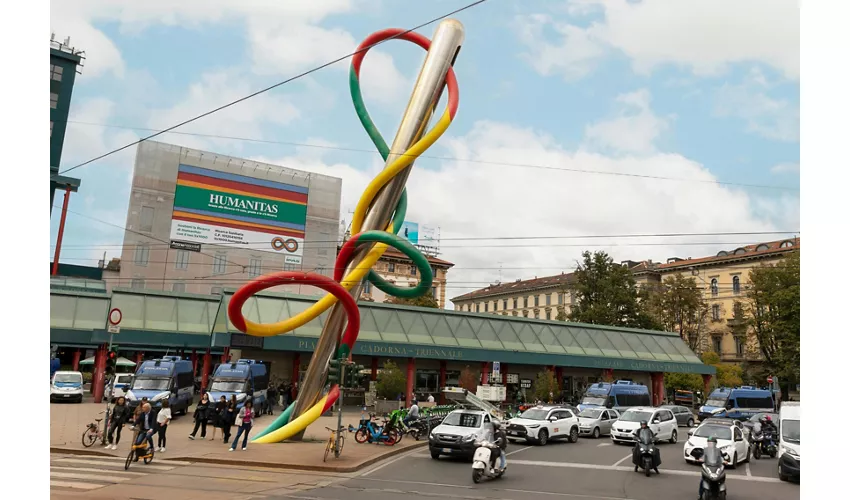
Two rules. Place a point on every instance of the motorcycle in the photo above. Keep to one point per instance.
(645, 454)
(713, 473)
(769, 444)
(483, 462)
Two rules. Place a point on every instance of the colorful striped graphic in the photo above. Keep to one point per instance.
(215, 207)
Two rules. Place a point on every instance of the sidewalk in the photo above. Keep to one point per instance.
(68, 422)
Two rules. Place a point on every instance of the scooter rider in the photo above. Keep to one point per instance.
(501, 440)
(712, 444)
(644, 428)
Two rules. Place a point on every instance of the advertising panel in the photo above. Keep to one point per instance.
(218, 208)
(428, 236)
(410, 232)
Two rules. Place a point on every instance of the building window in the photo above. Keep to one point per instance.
(739, 346)
(486, 306)
(548, 314)
(548, 299)
(56, 72)
(560, 299)
(536, 300)
(476, 307)
(178, 286)
(391, 267)
(525, 302)
(434, 292)
(505, 304)
(367, 287)
(254, 267)
(137, 283)
(146, 220)
(219, 263)
(736, 285)
(716, 344)
(515, 303)
(182, 260)
(54, 100)
(715, 312)
(714, 290)
(142, 254)
(413, 270)
(291, 267)
(572, 298)
(216, 290)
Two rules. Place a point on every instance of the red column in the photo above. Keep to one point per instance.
(608, 375)
(226, 356)
(485, 373)
(657, 388)
(140, 355)
(296, 367)
(706, 382)
(504, 374)
(559, 376)
(99, 373)
(411, 376)
(442, 382)
(75, 364)
(55, 270)
(374, 369)
(207, 367)
(194, 359)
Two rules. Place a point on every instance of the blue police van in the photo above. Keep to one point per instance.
(244, 379)
(169, 378)
(620, 395)
(739, 403)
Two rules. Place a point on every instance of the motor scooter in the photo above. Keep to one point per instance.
(646, 455)
(483, 462)
(713, 473)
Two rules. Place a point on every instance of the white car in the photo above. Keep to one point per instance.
(459, 431)
(67, 386)
(542, 423)
(660, 420)
(121, 384)
(730, 440)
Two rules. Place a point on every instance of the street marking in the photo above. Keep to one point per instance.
(519, 450)
(79, 486)
(568, 495)
(748, 470)
(415, 482)
(622, 460)
(93, 462)
(600, 445)
(93, 477)
(120, 459)
(92, 469)
(403, 455)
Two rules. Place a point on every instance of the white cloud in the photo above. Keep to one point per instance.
(634, 130)
(102, 56)
(703, 36)
(777, 119)
(786, 168)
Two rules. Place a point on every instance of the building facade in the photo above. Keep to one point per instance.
(64, 63)
(539, 298)
(398, 269)
(198, 222)
(724, 279)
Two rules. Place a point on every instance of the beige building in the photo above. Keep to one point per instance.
(724, 279)
(540, 298)
(396, 268)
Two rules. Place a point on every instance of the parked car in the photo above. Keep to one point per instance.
(121, 384)
(684, 416)
(596, 422)
(542, 423)
(660, 420)
(730, 440)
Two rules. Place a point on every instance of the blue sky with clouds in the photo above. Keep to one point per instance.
(695, 91)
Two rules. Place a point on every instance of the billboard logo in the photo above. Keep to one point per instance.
(289, 244)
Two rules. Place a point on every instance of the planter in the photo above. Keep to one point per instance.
(383, 406)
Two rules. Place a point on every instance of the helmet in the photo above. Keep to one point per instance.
(643, 423)
(767, 418)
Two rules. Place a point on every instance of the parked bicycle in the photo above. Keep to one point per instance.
(93, 431)
(368, 432)
(332, 443)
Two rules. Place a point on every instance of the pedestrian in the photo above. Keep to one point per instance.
(272, 398)
(430, 398)
(120, 414)
(283, 390)
(217, 415)
(201, 417)
(227, 419)
(243, 421)
(162, 420)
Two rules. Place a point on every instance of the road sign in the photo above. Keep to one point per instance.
(115, 316)
(497, 369)
(769, 380)
(113, 329)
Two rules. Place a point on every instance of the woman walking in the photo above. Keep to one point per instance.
(217, 415)
(120, 414)
(201, 417)
(162, 420)
(228, 416)
(243, 422)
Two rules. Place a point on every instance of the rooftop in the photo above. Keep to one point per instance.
(754, 251)
(518, 286)
(392, 253)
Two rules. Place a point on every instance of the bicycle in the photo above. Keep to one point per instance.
(332, 444)
(93, 431)
(134, 456)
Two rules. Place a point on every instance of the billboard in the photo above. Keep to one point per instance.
(410, 232)
(219, 208)
(428, 236)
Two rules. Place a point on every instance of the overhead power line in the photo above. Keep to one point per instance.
(271, 87)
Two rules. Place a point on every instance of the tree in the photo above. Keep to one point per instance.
(608, 295)
(468, 379)
(426, 300)
(774, 304)
(678, 305)
(684, 381)
(544, 384)
(391, 381)
(728, 375)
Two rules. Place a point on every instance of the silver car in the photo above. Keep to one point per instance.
(596, 421)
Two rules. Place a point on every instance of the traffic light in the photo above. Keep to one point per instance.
(112, 360)
(355, 376)
(334, 371)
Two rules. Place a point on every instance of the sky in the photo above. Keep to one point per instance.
(577, 118)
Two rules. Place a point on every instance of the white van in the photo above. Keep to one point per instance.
(121, 384)
(66, 386)
(789, 441)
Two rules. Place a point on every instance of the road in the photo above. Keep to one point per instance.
(587, 470)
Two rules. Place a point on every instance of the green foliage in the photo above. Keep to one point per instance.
(684, 381)
(544, 384)
(774, 303)
(468, 379)
(728, 375)
(678, 305)
(562, 314)
(426, 300)
(391, 381)
(607, 295)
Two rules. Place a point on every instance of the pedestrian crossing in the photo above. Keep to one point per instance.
(75, 473)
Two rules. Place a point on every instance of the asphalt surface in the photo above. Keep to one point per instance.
(587, 470)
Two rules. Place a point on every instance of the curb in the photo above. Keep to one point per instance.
(222, 461)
